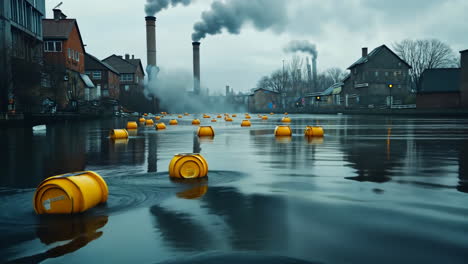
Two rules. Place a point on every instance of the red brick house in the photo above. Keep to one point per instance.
(264, 100)
(64, 61)
(105, 78)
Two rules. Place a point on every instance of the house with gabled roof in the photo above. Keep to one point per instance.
(264, 100)
(377, 79)
(105, 77)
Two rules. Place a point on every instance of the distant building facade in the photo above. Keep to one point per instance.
(105, 78)
(264, 100)
(20, 53)
(379, 78)
(64, 59)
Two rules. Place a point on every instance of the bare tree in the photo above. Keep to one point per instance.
(264, 83)
(278, 81)
(335, 74)
(295, 73)
(425, 54)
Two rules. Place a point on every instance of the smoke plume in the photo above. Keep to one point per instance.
(154, 6)
(232, 15)
(302, 46)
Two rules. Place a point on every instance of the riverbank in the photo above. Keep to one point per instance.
(396, 112)
(25, 120)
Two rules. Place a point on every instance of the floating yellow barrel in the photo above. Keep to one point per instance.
(312, 131)
(132, 125)
(213, 120)
(219, 116)
(186, 114)
(149, 122)
(247, 117)
(196, 122)
(173, 122)
(179, 116)
(272, 113)
(206, 131)
(264, 117)
(145, 114)
(118, 133)
(206, 116)
(234, 115)
(283, 131)
(70, 193)
(141, 120)
(286, 119)
(245, 123)
(188, 166)
(228, 119)
(286, 113)
(160, 126)
(157, 118)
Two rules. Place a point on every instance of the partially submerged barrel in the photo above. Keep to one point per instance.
(312, 131)
(219, 116)
(196, 122)
(70, 193)
(179, 116)
(118, 133)
(132, 125)
(228, 119)
(173, 122)
(157, 118)
(141, 120)
(245, 123)
(286, 119)
(234, 115)
(205, 131)
(160, 126)
(247, 117)
(283, 131)
(214, 120)
(149, 122)
(188, 166)
(264, 117)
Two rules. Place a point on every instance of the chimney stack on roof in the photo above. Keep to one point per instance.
(364, 52)
(133, 56)
(127, 56)
(58, 14)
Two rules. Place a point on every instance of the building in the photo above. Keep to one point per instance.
(378, 79)
(264, 100)
(105, 78)
(444, 87)
(131, 80)
(20, 53)
(64, 62)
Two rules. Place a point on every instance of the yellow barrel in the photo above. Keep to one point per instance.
(149, 122)
(157, 118)
(118, 133)
(286, 113)
(247, 117)
(234, 115)
(132, 125)
(286, 119)
(272, 113)
(173, 122)
(206, 116)
(188, 166)
(213, 120)
(206, 131)
(245, 123)
(264, 117)
(160, 126)
(312, 131)
(186, 114)
(218, 116)
(228, 119)
(179, 116)
(196, 122)
(141, 120)
(283, 131)
(70, 193)
(145, 114)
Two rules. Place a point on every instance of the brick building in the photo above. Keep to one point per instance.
(20, 53)
(105, 78)
(263, 100)
(379, 78)
(64, 59)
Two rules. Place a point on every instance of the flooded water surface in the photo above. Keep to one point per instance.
(374, 189)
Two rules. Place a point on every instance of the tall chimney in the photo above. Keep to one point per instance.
(464, 78)
(196, 67)
(151, 40)
(364, 52)
(314, 72)
(227, 90)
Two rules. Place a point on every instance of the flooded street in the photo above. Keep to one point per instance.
(375, 189)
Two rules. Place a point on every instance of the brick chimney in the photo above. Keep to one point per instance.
(464, 78)
(364, 52)
(58, 14)
(127, 56)
(133, 57)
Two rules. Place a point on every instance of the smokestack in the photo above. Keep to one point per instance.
(151, 40)
(196, 67)
(314, 72)
(227, 90)
(364, 52)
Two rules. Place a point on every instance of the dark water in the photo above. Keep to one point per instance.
(373, 190)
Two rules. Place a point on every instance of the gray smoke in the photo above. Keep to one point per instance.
(302, 46)
(154, 6)
(232, 15)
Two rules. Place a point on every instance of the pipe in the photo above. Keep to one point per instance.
(196, 67)
(151, 40)
(314, 72)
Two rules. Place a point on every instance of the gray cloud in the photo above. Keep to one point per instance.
(154, 6)
(233, 14)
(302, 46)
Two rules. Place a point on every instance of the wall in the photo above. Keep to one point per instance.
(437, 100)
(464, 78)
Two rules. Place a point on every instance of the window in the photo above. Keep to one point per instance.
(127, 88)
(88, 73)
(137, 79)
(77, 56)
(376, 74)
(53, 46)
(126, 77)
(97, 75)
(386, 73)
(69, 53)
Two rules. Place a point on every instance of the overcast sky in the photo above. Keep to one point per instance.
(339, 28)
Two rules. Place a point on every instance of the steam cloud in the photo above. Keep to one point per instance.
(233, 14)
(302, 46)
(154, 6)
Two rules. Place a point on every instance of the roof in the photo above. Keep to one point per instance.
(59, 29)
(87, 81)
(122, 65)
(463, 51)
(440, 80)
(105, 65)
(266, 90)
(376, 51)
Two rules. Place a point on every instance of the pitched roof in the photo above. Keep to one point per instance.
(266, 90)
(87, 81)
(121, 65)
(136, 62)
(440, 80)
(106, 65)
(376, 51)
(463, 51)
(59, 29)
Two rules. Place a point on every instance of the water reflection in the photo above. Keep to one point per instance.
(152, 153)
